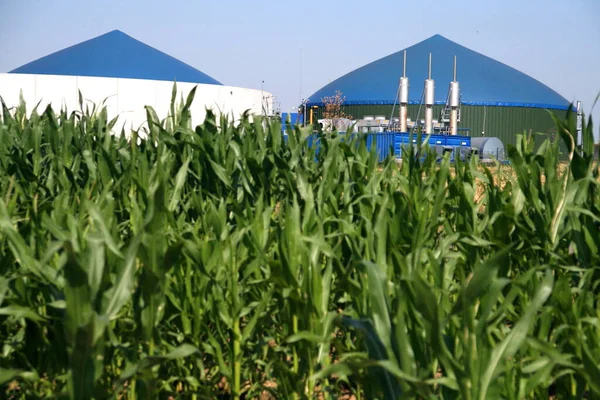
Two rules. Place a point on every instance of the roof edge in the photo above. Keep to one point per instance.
(437, 35)
(19, 69)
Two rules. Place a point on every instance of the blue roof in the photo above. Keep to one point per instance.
(483, 80)
(115, 55)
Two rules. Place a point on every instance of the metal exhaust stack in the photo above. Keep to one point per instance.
(579, 125)
(403, 98)
(454, 103)
(429, 100)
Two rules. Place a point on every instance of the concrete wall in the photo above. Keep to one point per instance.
(127, 97)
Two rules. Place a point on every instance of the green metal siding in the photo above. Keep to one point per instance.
(501, 122)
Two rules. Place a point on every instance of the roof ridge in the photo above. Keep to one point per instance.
(483, 78)
(115, 54)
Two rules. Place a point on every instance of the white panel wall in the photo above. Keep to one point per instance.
(126, 97)
(9, 91)
(133, 95)
(97, 91)
(58, 91)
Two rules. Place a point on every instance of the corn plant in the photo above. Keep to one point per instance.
(223, 261)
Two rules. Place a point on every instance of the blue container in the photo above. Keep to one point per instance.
(396, 142)
(384, 143)
(458, 141)
(437, 140)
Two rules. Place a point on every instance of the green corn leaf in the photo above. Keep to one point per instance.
(310, 337)
(180, 179)
(122, 290)
(7, 375)
(20, 312)
(183, 351)
(518, 334)
(483, 276)
(3, 289)
(248, 330)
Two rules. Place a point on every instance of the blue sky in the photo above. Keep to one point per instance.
(242, 43)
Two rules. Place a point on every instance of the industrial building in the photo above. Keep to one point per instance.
(127, 75)
(495, 100)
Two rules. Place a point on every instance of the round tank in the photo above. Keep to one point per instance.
(489, 148)
(454, 94)
(429, 92)
(403, 90)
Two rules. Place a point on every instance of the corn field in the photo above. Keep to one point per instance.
(220, 261)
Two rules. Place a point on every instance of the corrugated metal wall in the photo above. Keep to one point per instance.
(501, 122)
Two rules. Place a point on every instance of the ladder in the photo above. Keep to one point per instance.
(445, 114)
(273, 109)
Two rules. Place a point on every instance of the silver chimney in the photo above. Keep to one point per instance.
(403, 98)
(454, 103)
(429, 100)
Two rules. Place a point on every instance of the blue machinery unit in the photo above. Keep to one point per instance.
(384, 142)
(456, 145)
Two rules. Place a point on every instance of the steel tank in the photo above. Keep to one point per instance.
(489, 148)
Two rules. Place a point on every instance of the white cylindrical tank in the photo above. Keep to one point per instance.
(454, 94)
(403, 118)
(125, 98)
(403, 90)
(429, 92)
(429, 120)
(489, 148)
(453, 121)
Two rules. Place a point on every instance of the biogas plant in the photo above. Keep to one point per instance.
(463, 101)
(460, 97)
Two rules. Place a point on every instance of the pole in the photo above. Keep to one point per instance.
(579, 126)
(454, 79)
(303, 112)
(262, 97)
(301, 74)
(429, 77)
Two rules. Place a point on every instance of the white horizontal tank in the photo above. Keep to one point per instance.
(490, 148)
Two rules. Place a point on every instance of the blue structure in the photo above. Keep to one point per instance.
(457, 145)
(115, 55)
(295, 118)
(395, 142)
(483, 80)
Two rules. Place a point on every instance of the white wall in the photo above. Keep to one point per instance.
(126, 97)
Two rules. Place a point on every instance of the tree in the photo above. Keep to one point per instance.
(333, 106)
